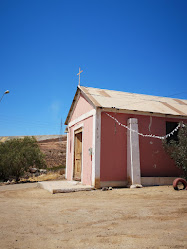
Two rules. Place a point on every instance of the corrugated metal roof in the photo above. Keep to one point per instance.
(132, 101)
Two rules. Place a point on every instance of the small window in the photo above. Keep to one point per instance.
(170, 126)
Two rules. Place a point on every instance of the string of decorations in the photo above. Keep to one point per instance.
(146, 135)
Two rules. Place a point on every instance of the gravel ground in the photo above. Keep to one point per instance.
(152, 217)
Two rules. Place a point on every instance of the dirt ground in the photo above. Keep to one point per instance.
(152, 217)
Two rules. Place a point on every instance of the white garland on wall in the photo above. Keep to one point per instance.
(146, 135)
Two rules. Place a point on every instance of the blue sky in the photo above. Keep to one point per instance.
(128, 45)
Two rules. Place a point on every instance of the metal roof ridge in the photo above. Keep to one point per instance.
(142, 94)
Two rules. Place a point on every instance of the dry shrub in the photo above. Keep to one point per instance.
(46, 177)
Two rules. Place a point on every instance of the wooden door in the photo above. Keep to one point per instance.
(78, 157)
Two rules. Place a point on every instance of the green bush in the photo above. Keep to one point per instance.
(177, 150)
(17, 155)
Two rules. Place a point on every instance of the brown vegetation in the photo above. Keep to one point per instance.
(54, 150)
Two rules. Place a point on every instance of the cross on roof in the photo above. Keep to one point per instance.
(79, 75)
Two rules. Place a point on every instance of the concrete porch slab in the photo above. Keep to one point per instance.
(64, 186)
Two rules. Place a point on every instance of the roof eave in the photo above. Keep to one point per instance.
(72, 105)
(123, 110)
(79, 90)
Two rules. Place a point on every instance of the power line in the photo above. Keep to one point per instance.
(176, 94)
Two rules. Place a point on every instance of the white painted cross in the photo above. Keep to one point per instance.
(79, 75)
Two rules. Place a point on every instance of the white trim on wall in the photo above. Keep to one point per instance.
(82, 117)
(133, 152)
(67, 152)
(96, 148)
(93, 150)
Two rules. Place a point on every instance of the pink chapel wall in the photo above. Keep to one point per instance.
(87, 157)
(81, 108)
(87, 139)
(113, 153)
(153, 159)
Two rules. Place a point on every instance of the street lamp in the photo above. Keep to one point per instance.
(7, 91)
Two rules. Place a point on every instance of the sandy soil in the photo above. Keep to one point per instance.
(154, 217)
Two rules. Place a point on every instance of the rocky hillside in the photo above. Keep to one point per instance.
(54, 150)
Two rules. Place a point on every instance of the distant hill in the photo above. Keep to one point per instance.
(38, 138)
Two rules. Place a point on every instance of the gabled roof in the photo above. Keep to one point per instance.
(132, 102)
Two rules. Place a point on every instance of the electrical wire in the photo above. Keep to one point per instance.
(146, 135)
